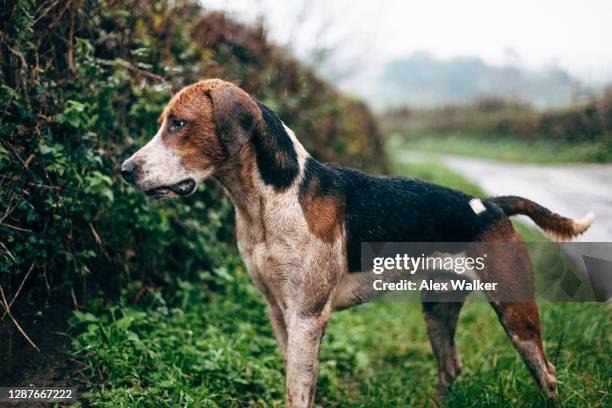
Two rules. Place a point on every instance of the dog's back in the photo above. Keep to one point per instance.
(399, 209)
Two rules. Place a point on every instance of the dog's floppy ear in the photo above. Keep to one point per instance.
(236, 116)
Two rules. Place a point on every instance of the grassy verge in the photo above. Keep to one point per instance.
(505, 148)
(194, 347)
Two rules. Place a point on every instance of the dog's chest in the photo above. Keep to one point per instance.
(273, 239)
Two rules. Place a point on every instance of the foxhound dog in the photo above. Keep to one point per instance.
(300, 224)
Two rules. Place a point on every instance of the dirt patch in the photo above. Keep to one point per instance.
(20, 363)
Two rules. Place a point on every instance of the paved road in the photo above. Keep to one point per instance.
(570, 190)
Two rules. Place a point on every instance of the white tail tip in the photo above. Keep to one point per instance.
(584, 223)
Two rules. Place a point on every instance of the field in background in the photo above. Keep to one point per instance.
(508, 130)
(505, 148)
(193, 347)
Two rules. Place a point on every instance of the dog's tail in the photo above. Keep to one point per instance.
(558, 228)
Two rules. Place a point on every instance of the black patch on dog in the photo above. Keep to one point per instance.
(276, 156)
(398, 209)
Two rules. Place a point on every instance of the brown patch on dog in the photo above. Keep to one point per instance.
(197, 141)
(236, 115)
(323, 211)
(324, 217)
(213, 111)
(238, 175)
(524, 319)
(507, 263)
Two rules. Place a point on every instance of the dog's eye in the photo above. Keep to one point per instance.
(176, 124)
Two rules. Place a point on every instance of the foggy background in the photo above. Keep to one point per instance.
(549, 53)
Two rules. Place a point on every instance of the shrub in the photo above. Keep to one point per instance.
(82, 86)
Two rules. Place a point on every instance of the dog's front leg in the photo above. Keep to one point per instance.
(302, 358)
(277, 320)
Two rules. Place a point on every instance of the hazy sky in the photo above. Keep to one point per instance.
(576, 35)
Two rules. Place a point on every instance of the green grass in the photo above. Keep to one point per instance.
(396, 368)
(191, 346)
(221, 353)
(506, 148)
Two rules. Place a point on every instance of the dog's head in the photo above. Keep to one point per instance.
(203, 126)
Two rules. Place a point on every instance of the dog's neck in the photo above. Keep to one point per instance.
(268, 166)
(238, 176)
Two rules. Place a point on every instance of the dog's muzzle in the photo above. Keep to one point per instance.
(129, 171)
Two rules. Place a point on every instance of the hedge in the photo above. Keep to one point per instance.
(82, 84)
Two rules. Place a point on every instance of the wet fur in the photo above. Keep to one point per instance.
(299, 225)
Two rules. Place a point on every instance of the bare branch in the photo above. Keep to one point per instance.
(8, 310)
(19, 289)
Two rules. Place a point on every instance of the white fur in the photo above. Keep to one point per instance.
(584, 223)
(545, 371)
(477, 205)
(302, 154)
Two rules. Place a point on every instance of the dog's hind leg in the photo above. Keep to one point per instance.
(441, 319)
(508, 264)
(522, 324)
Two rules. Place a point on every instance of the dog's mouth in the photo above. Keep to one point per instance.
(182, 188)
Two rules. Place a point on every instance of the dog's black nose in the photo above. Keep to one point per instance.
(128, 169)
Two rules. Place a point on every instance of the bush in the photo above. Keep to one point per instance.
(82, 86)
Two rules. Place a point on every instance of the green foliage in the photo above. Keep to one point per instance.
(212, 350)
(82, 86)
